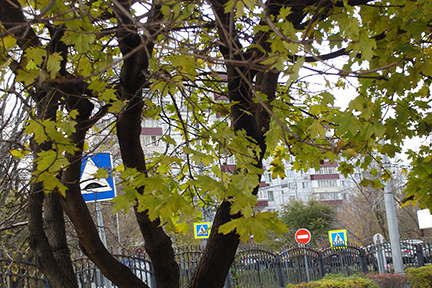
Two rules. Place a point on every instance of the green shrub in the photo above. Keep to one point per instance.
(389, 280)
(338, 281)
(420, 277)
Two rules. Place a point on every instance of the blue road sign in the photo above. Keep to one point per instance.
(338, 238)
(202, 230)
(94, 189)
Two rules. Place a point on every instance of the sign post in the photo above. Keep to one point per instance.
(303, 237)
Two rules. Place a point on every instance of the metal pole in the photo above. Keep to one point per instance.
(102, 236)
(305, 261)
(118, 229)
(392, 224)
(228, 283)
(307, 267)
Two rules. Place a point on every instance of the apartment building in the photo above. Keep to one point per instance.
(325, 185)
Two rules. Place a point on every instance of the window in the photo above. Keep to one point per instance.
(291, 185)
(149, 122)
(327, 183)
(268, 178)
(330, 196)
(305, 185)
(151, 141)
(270, 195)
(231, 160)
(262, 195)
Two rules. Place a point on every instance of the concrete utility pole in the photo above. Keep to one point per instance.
(392, 223)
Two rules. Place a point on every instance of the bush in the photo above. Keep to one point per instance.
(338, 281)
(388, 280)
(420, 277)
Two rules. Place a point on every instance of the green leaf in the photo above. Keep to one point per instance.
(81, 41)
(101, 173)
(27, 76)
(68, 127)
(51, 183)
(122, 202)
(198, 157)
(98, 86)
(36, 54)
(53, 64)
(85, 67)
(50, 160)
(36, 128)
(317, 129)
(250, 3)
(327, 98)
(8, 42)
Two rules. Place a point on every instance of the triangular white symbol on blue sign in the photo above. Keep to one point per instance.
(89, 184)
(202, 230)
(338, 240)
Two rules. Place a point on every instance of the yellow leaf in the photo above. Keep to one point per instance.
(19, 153)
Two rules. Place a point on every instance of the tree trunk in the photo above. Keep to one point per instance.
(56, 233)
(158, 245)
(246, 116)
(218, 255)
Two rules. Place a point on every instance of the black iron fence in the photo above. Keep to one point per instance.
(254, 265)
(19, 270)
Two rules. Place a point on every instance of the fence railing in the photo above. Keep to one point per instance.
(19, 270)
(254, 265)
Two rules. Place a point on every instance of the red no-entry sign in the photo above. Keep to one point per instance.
(303, 236)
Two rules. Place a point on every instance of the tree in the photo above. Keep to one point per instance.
(317, 217)
(13, 175)
(363, 213)
(76, 63)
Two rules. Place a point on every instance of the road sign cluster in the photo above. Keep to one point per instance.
(336, 237)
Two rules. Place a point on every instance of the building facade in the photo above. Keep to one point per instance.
(325, 185)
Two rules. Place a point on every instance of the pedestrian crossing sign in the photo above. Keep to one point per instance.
(202, 230)
(338, 238)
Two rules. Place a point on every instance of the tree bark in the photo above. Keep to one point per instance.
(133, 78)
(54, 226)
